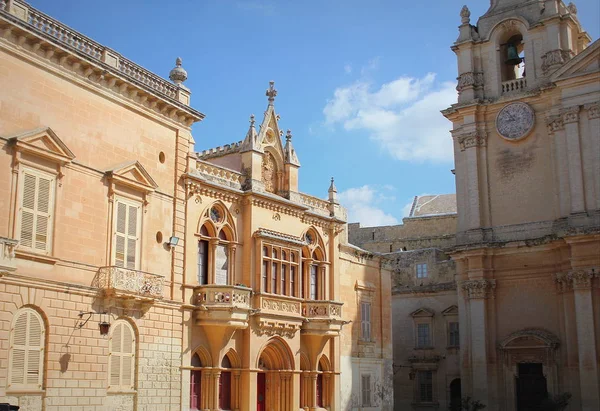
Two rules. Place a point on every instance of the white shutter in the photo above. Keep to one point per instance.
(122, 357)
(27, 350)
(36, 210)
(127, 228)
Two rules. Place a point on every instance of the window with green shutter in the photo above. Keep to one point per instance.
(127, 219)
(36, 210)
(121, 357)
(26, 351)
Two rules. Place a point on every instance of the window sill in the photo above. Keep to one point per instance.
(434, 404)
(117, 391)
(428, 348)
(365, 342)
(40, 258)
(24, 391)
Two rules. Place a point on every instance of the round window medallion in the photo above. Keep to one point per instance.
(159, 237)
(161, 157)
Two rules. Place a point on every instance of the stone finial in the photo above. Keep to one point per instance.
(271, 92)
(332, 192)
(465, 15)
(289, 152)
(252, 120)
(178, 75)
(288, 135)
(332, 187)
(572, 8)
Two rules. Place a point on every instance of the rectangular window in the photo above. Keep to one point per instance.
(202, 262)
(127, 228)
(36, 211)
(423, 336)
(313, 282)
(283, 279)
(425, 382)
(453, 335)
(274, 278)
(365, 386)
(365, 321)
(222, 263)
(421, 270)
(293, 281)
(265, 268)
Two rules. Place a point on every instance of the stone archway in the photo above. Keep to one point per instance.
(530, 349)
(274, 381)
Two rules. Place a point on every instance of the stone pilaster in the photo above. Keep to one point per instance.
(593, 115)
(556, 128)
(570, 118)
(586, 339)
(470, 144)
(477, 292)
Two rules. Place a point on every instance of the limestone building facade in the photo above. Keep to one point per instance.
(526, 131)
(137, 274)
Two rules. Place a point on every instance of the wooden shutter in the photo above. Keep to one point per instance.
(122, 357)
(366, 321)
(27, 350)
(36, 210)
(127, 229)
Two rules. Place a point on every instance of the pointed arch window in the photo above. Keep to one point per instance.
(216, 247)
(26, 350)
(314, 267)
(122, 347)
(196, 384)
(225, 385)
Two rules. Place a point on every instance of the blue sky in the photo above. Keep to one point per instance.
(330, 60)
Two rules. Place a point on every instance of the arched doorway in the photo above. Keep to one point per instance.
(455, 395)
(196, 384)
(225, 385)
(274, 387)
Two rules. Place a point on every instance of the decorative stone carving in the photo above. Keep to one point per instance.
(269, 173)
(546, 337)
(554, 124)
(562, 282)
(473, 139)
(572, 8)
(465, 15)
(582, 279)
(593, 110)
(469, 79)
(277, 217)
(509, 25)
(283, 306)
(282, 328)
(555, 59)
(477, 289)
(571, 115)
(271, 93)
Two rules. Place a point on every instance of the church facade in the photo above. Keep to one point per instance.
(526, 131)
(138, 274)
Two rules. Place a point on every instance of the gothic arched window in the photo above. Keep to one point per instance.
(216, 247)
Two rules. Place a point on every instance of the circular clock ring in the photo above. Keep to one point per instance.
(515, 121)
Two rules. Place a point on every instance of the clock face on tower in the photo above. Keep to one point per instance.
(515, 121)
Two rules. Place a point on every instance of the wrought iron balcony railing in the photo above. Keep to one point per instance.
(123, 281)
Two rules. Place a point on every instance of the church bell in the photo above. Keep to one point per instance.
(512, 55)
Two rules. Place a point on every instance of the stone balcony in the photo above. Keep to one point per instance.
(125, 284)
(278, 314)
(322, 317)
(223, 305)
(514, 86)
(8, 262)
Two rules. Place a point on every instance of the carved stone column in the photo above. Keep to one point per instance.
(323, 291)
(477, 291)
(593, 115)
(212, 259)
(570, 118)
(586, 338)
(231, 263)
(469, 144)
(215, 390)
(236, 391)
(556, 128)
(313, 391)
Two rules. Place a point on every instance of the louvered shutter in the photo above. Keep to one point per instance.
(36, 210)
(27, 350)
(115, 356)
(126, 234)
(122, 357)
(366, 321)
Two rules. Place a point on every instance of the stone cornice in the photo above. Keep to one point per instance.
(478, 289)
(67, 50)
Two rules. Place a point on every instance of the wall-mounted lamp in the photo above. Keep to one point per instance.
(173, 241)
(103, 324)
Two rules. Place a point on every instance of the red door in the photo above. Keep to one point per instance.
(225, 391)
(261, 400)
(195, 389)
(320, 390)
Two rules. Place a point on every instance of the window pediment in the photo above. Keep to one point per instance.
(43, 142)
(452, 310)
(422, 312)
(131, 174)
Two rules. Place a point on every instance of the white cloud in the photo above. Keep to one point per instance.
(403, 116)
(371, 65)
(348, 69)
(362, 202)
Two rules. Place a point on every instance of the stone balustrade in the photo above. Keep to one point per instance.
(279, 304)
(211, 296)
(512, 86)
(217, 174)
(125, 282)
(8, 262)
(56, 31)
(316, 204)
(322, 310)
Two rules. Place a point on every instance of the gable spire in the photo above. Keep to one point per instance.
(271, 92)
(251, 140)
